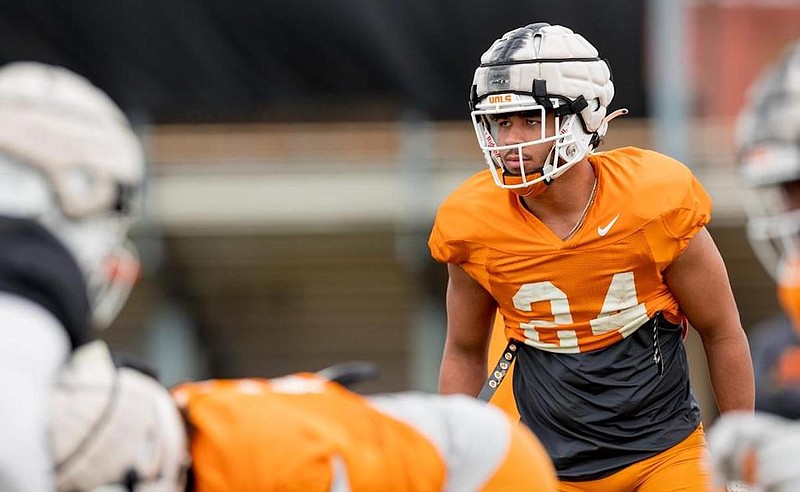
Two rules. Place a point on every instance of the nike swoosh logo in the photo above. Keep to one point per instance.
(604, 230)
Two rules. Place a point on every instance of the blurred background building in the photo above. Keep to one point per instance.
(298, 151)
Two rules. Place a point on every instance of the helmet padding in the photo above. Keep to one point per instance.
(548, 62)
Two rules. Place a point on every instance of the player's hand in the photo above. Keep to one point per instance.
(761, 450)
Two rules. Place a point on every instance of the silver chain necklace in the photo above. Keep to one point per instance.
(583, 214)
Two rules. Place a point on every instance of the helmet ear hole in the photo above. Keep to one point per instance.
(568, 152)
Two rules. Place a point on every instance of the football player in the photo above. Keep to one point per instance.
(116, 427)
(595, 260)
(763, 449)
(768, 141)
(70, 168)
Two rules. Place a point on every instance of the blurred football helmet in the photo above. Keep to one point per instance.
(768, 151)
(542, 68)
(115, 428)
(756, 451)
(70, 160)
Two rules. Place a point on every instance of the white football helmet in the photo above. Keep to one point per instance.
(70, 161)
(115, 428)
(768, 149)
(542, 68)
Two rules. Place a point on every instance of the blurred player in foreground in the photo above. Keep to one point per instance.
(116, 426)
(768, 141)
(595, 261)
(764, 449)
(70, 169)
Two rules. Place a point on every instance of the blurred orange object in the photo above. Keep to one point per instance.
(787, 369)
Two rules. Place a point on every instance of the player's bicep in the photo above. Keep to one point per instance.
(699, 280)
(470, 311)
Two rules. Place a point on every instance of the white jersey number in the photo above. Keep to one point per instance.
(621, 312)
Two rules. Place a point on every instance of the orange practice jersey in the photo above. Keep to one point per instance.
(303, 433)
(287, 434)
(601, 284)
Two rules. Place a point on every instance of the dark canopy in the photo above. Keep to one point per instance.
(235, 60)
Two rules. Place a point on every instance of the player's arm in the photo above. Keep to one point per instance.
(470, 313)
(699, 280)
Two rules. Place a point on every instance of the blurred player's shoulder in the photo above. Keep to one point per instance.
(307, 424)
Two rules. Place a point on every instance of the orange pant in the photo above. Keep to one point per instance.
(526, 466)
(683, 467)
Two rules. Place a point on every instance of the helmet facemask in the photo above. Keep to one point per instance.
(97, 239)
(569, 143)
(772, 228)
